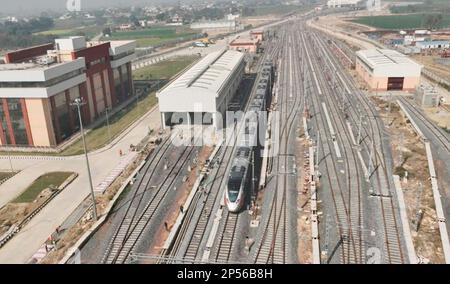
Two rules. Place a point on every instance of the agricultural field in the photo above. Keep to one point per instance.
(165, 69)
(278, 9)
(153, 36)
(442, 6)
(411, 21)
(88, 31)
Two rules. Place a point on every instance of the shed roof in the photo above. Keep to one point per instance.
(207, 75)
(384, 57)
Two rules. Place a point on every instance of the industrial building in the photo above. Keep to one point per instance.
(427, 96)
(257, 34)
(250, 45)
(435, 44)
(342, 3)
(217, 27)
(38, 84)
(385, 69)
(206, 89)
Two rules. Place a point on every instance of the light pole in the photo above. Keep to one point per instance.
(9, 153)
(107, 124)
(78, 102)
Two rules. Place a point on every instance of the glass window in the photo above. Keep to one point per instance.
(117, 84)
(4, 124)
(63, 118)
(18, 122)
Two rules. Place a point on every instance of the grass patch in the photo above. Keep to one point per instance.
(165, 69)
(153, 36)
(98, 136)
(428, 6)
(41, 183)
(412, 21)
(278, 9)
(88, 31)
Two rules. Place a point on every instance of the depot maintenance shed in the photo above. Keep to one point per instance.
(206, 88)
(385, 70)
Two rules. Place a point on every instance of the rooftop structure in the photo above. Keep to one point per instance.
(42, 81)
(206, 87)
(245, 44)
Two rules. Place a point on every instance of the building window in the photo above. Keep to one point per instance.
(18, 122)
(4, 125)
(117, 84)
(62, 115)
(126, 81)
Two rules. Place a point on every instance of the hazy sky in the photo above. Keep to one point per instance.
(37, 6)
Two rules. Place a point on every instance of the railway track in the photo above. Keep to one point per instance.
(139, 213)
(442, 137)
(275, 239)
(351, 238)
(343, 180)
(379, 176)
(227, 233)
(193, 233)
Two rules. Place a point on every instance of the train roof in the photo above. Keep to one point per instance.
(238, 170)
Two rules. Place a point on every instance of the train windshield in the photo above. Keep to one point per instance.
(233, 189)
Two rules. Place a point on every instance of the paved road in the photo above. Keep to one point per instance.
(28, 241)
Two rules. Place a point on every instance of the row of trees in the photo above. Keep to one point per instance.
(20, 34)
(27, 27)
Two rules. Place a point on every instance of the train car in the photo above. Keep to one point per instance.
(235, 193)
(239, 179)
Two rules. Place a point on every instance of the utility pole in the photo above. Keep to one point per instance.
(107, 124)
(369, 169)
(390, 102)
(317, 150)
(253, 174)
(78, 102)
(8, 152)
(419, 212)
(400, 152)
(358, 140)
(327, 234)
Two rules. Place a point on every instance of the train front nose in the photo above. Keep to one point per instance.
(233, 207)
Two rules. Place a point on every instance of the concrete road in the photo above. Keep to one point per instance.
(21, 248)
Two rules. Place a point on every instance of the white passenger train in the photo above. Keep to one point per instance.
(240, 177)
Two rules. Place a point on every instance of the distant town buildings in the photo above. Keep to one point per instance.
(342, 3)
(216, 27)
(435, 44)
(373, 5)
(38, 84)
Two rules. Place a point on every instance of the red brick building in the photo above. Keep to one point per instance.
(38, 84)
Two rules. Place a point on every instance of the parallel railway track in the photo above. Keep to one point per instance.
(383, 182)
(138, 215)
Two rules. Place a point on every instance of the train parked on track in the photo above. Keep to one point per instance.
(241, 178)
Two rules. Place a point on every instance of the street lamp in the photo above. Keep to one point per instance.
(107, 124)
(78, 102)
(9, 153)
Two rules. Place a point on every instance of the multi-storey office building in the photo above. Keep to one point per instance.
(38, 85)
